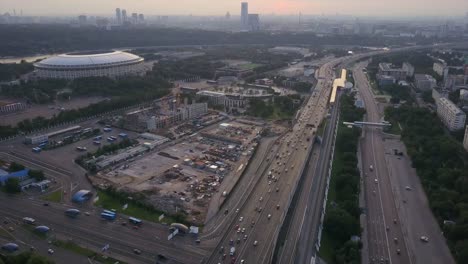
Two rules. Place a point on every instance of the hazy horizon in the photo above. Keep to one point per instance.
(387, 8)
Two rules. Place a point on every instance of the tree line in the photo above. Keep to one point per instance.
(42, 39)
(342, 216)
(442, 165)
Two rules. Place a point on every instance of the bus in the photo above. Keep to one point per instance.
(72, 212)
(109, 212)
(135, 221)
(29, 220)
(108, 216)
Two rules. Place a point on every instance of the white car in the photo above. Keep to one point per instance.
(376, 181)
(241, 218)
(50, 251)
(408, 188)
(255, 243)
(424, 239)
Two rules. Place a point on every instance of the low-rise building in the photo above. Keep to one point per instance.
(395, 72)
(385, 80)
(452, 116)
(424, 82)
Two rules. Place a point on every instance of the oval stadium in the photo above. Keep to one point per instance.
(77, 65)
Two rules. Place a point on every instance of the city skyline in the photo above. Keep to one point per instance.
(210, 8)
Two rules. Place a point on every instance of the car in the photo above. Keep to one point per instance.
(137, 251)
(237, 210)
(45, 204)
(376, 181)
(226, 211)
(395, 240)
(261, 198)
(11, 229)
(221, 249)
(241, 218)
(238, 230)
(87, 213)
(394, 220)
(245, 237)
(50, 251)
(259, 209)
(198, 241)
(224, 256)
(255, 243)
(243, 230)
(408, 188)
(231, 242)
(238, 241)
(252, 223)
(269, 216)
(398, 251)
(277, 189)
(277, 207)
(424, 239)
(236, 227)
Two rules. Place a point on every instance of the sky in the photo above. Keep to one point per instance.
(220, 7)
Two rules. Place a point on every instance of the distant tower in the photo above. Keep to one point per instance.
(134, 18)
(124, 16)
(228, 15)
(254, 22)
(118, 16)
(141, 18)
(245, 14)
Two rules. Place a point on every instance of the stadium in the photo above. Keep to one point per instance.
(76, 65)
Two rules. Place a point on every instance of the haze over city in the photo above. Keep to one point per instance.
(386, 8)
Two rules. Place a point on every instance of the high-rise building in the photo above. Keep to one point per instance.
(228, 15)
(465, 139)
(452, 116)
(245, 14)
(254, 22)
(118, 16)
(141, 18)
(124, 16)
(82, 20)
(134, 18)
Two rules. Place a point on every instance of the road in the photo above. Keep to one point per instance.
(260, 218)
(390, 221)
(93, 232)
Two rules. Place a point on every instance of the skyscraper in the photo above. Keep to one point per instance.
(118, 16)
(134, 18)
(244, 14)
(254, 22)
(124, 16)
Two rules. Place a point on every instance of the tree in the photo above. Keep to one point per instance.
(15, 167)
(38, 175)
(12, 185)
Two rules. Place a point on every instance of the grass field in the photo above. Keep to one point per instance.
(53, 196)
(108, 202)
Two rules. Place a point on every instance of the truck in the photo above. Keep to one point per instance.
(371, 168)
(232, 251)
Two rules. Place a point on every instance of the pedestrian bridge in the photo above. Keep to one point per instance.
(362, 123)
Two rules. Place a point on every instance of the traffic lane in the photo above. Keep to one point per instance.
(419, 219)
(377, 239)
(106, 232)
(388, 199)
(239, 193)
(297, 226)
(316, 202)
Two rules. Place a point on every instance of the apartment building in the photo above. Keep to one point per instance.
(452, 116)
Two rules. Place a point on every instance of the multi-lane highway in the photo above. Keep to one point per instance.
(389, 239)
(254, 226)
(93, 232)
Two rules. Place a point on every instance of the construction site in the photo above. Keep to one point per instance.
(183, 176)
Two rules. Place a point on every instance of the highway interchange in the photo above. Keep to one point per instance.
(260, 201)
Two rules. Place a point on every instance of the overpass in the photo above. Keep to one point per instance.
(361, 124)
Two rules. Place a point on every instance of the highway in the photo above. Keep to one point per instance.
(383, 226)
(388, 203)
(260, 218)
(93, 232)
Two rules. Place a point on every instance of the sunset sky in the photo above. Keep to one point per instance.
(220, 7)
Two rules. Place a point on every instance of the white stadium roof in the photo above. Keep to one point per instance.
(82, 60)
